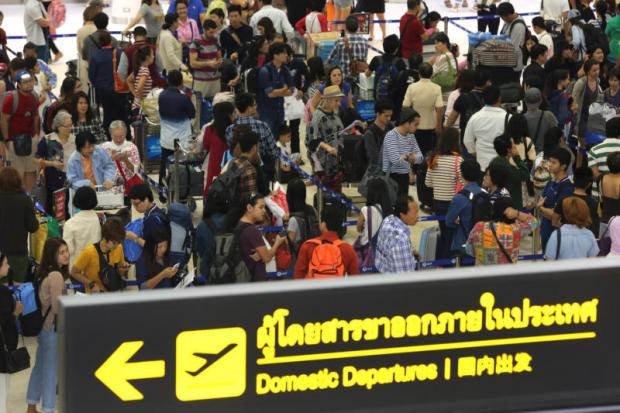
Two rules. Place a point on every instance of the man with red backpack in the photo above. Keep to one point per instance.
(327, 256)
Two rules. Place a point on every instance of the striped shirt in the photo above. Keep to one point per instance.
(207, 49)
(395, 148)
(443, 177)
(143, 72)
(597, 158)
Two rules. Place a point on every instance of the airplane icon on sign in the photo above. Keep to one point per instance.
(210, 359)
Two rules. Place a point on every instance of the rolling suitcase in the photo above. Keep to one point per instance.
(428, 244)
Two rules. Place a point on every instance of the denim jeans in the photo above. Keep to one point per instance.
(44, 377)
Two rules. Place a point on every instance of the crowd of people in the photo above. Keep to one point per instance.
(495, 169)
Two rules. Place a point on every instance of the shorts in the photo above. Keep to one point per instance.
(208, 89)
(373, 6)
(23, 164)
(343, 4)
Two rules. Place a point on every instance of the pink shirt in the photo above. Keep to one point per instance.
(188, 32)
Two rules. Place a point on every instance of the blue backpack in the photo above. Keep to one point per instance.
(132, 249)
(385, 75)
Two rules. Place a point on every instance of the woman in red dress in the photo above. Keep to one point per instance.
(214, 139)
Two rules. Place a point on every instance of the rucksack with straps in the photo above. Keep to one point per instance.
(31, 322)
(181, 234)
(528, 35)
(326, 260)
(595, 38)
(385, 75)
(481, 207)
(108, 274)
(226, 265)
(223, 190)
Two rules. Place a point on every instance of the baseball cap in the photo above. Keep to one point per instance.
(23, 75)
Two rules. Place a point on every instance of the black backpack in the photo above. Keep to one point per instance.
(481, 207)
(595, 38)
(108, 274)
(308, 225)
(226, 265)
(223, 189)
(524, 53)
(385, 78)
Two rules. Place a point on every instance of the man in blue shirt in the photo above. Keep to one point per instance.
(274, 84)
(554, 193)
(459, 216)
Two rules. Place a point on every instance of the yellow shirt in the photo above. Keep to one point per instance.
(88, 262)
(424, 97)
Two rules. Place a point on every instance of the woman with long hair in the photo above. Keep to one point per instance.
(214, 139)
(335, 77)
(560, 102)
(586, 91)
(53, 272)
(69, 87)
(140, 82)
(153, 15)
(316, 75)
(444, 176)
(169, 48)
(464, 84)
(266, 28)
(153, 269)
(378, 206)
(84, 119)
(303, 218)
(256, 54)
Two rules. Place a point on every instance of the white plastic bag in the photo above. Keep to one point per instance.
(293, 108)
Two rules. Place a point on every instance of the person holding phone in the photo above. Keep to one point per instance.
(153, 269)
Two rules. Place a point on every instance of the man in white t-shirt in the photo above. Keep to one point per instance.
(544, 38)
(37, 26)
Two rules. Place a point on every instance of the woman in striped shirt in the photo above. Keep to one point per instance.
(140, 82)
(444, 176)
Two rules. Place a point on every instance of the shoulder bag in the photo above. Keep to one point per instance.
(13, 361)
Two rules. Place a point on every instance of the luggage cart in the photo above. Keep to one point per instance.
(184, 180)
(147, 135)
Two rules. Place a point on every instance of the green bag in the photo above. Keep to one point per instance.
(53, 228)
(446, 80)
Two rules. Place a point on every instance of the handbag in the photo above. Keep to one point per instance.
(22, 144)
(366, 253)
(356, 66)
(135, 179)
(447, 79)
(13, 361)
(458, 185)
(120, 85)
(293, 108)
(604, 242)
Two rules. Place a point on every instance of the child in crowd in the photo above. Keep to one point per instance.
(286, 172)
(431, 22)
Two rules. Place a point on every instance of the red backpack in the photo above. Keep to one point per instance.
(326, 260)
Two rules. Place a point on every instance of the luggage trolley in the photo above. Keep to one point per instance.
(185, 176)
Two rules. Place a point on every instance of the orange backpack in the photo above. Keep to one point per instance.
(326, 260)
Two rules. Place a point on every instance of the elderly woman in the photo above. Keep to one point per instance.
(324, 139)
(90, 165)
(53, 154)
(124, 153)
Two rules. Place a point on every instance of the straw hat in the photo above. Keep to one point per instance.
(332, 92)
